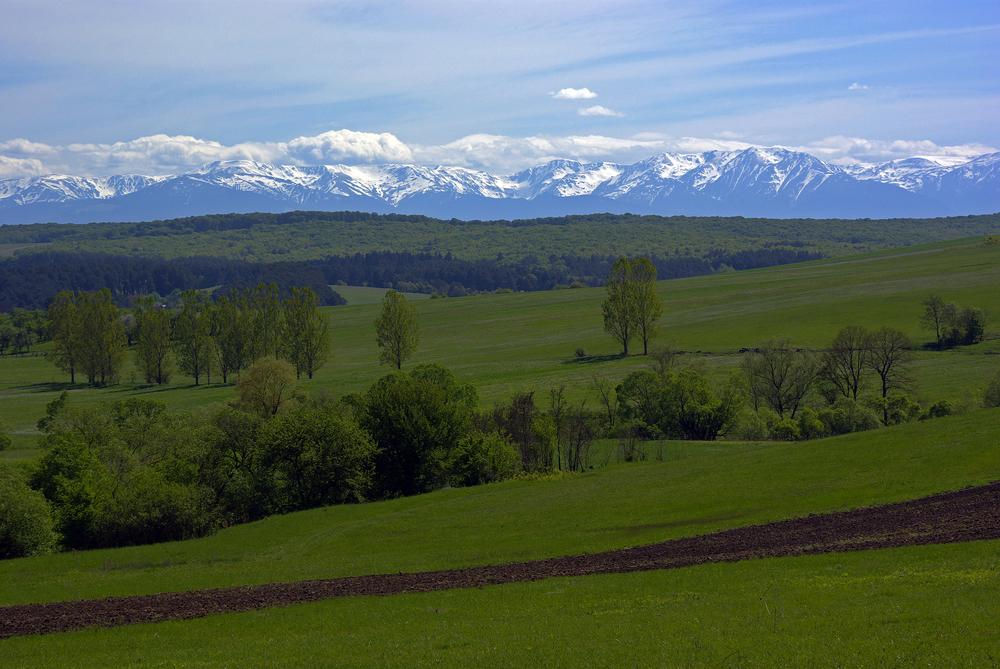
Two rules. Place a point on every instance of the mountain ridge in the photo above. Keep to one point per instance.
(757, 181)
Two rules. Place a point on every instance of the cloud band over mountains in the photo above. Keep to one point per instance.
(166, 154)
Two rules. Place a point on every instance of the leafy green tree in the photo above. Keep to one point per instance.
(235, 468)
(482, 457)
(101, 341)
(680, 404)
(266, 386)
(396, 330)
(66, 332)
(307, 338)
(267, 323)
(6, 333)
(122, 474)
(648, 303)
(619, 307)
(5, 440)
(192, 336)
(26, 526)
(318, 458)
(415, 419)
(154, 341)
(232, 324)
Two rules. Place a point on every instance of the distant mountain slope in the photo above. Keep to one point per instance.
(771, 182)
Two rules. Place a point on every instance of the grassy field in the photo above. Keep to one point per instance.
(316, 236)
(356, 295)
(700, 490)
(932, 606)
(526, 341)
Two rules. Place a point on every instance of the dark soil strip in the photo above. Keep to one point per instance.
(964, 515)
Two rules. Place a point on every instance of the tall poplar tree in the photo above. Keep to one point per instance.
(396, 330)
(307, 334)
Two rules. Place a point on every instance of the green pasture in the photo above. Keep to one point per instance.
(512, 342)
(699, 488)
(930, 606)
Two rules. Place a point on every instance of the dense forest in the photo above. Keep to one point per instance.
(29, 280)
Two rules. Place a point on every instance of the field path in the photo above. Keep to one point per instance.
(963, 515)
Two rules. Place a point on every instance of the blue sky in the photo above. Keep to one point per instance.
(100, 87)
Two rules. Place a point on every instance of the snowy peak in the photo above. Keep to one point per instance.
(757, 181)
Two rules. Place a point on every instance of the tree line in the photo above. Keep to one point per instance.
(29, 280)
(91, 335)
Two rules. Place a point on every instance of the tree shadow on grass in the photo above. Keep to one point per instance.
(50, 387)
(593, 359)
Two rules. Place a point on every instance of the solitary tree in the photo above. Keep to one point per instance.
(648, 304)
(935, 317)
(101, 337)
(846, 361)
(889, 357)
(307, 334)
(396, 330)
(619, 306)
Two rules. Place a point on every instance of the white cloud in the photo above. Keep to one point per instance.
(501, 154)
(842, 149)
(339, 146)
(858, 87)
(598, 110)
(20, 167)
(574, 94)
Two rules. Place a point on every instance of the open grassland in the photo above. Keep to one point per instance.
(526, 341)
(260, 237)
(698, 491)
(926, 606)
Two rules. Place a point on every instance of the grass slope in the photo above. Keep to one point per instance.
(526, 341)
(701, 491)
(928, 606)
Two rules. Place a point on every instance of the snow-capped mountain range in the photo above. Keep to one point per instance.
(773, 182)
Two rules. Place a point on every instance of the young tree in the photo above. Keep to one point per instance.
(307, 338)
(231, 331)
(558, 411)
(267, 320)
(779, 376)
(101, 339)
(935, 317)
(266, 386)
(844, 364)
(619, 307)
(65, 329)
(648, 303)
(396, 330)
(193, 336)
(153, 340)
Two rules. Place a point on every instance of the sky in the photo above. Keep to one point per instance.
(108, 87)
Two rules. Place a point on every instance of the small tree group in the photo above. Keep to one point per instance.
(88, 336)
(632, 305)
(951, 324)
(20, 329)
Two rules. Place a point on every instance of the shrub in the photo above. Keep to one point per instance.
(25, 518)
(785, 429)
(482, 458)
(750, 426)
(810, 425)
(938, 410)
(580, 353)
(847, 416)
(4, 438)
(991, 398)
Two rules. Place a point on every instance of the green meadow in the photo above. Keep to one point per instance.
(927, 606)
(505, 343)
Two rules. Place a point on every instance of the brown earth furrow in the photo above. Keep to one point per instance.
(964, 515)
